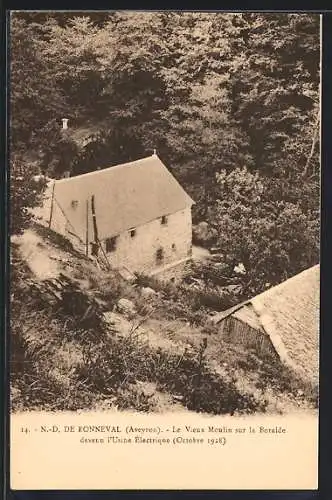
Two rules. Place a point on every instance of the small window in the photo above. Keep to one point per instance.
(164, 220)
(133, 233)
(111, 244)
(159, 255)
(173, 247)
(74, 204)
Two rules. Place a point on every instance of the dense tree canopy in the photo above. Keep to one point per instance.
(230, 101)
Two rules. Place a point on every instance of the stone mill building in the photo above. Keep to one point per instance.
(136, 215)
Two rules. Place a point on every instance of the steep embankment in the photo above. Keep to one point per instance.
(83, 338)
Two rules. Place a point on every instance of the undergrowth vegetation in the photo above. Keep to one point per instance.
(183, 301)
(66, 356)
(56, 367)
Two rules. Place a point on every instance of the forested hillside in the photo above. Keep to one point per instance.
(229, 101)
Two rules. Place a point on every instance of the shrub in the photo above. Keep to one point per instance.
(25, 192)
(134, 397)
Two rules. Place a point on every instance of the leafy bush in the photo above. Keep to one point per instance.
(258, 225)
(25, 192)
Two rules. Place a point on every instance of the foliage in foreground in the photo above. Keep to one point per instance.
(61, 360)
(56, 364)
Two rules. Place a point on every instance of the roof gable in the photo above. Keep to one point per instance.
(126, 196)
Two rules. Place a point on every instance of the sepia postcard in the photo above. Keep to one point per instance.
(164, 250)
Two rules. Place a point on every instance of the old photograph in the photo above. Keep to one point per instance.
(164, 212)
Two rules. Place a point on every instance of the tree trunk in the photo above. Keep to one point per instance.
(313, 144)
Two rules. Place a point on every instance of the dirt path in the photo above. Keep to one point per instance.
(200, 253)
(42, 259)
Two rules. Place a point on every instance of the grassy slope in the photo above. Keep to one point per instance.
(66, 356)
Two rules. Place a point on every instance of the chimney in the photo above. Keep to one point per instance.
(154, 152)
(64, 123)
